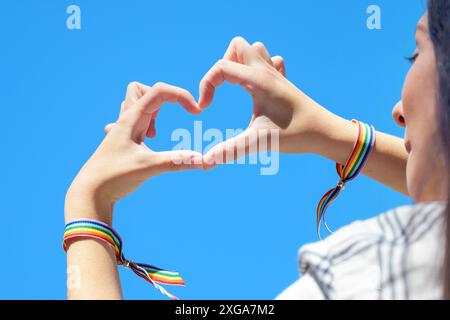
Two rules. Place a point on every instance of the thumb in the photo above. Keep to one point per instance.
(231, 150)
(169, 161)
(279, 64)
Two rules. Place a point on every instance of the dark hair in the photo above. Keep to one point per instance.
(439, 28)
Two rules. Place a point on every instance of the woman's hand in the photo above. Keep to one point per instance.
(123, 161)
(277, 104)
(302, 125)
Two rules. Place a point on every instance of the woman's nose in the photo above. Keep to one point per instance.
(397, 114)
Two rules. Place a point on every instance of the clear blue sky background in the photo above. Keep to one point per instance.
(231, 233)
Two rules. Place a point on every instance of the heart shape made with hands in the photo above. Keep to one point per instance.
(249, 66)
(123, 161)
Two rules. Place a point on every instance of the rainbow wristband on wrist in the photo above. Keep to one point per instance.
(97, 230)
(356, 162)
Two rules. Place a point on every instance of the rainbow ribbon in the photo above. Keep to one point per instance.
(356, 162)
(103, 232)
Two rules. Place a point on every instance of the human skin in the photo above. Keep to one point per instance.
(417, 113)
(303, 125)
(123, 162)
(118, 167)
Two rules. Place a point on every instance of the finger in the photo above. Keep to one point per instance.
(231, 150)
(163, 92)
(109, 127)
(155, 97)
(240, 51)
(151, 133)
(135, 91)
(177, 160)
(279, 64)
(222, 71)
(261, 49)
(122, 107)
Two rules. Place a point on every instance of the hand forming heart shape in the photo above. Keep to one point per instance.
(263, 77)
(123, 161)
(260, 75)
(252, 67)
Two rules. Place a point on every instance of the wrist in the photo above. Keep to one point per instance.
(316, 130)
(83, 203)
(335, 139)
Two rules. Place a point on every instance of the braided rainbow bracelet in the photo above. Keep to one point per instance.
(356, 162)
(94, 229)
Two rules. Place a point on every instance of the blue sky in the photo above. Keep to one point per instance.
(231, 233)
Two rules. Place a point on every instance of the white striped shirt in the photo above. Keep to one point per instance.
(396, 255)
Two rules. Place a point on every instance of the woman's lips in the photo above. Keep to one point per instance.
(408, 146)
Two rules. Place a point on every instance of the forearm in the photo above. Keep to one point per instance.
(387, 163)
(91, 264)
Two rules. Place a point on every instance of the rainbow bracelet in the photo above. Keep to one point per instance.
(97, 230)
(356, 162)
